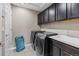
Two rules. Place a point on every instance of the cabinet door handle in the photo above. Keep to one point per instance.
(0, 43)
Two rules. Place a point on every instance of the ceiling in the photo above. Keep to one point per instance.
(33, 6)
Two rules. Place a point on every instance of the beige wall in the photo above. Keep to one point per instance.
(71, 24)
(24, 21)
(69, 27)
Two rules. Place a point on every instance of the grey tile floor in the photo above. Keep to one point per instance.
(28, 51)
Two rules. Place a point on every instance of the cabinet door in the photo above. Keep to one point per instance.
(40, 18)
(56, 51)
(75, 10)
(66, 53)
(69, 10)
(61, 11)
(52, 13)
(46, 16)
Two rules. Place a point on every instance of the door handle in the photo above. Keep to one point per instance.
(0, 44)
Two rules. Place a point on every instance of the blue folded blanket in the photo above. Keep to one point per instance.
(19, 43)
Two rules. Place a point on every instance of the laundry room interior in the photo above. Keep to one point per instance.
(39, 29)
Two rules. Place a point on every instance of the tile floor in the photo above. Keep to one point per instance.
(28, 51)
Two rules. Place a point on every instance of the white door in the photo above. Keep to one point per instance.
(0, 29)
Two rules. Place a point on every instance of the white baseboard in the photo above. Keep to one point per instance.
(13, 48)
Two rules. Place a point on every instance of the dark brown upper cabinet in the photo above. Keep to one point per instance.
(52, 13)
(45, 16)
(41, 18)
(74, 10)
(60, 11)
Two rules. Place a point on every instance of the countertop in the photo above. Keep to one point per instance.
(67, 39)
